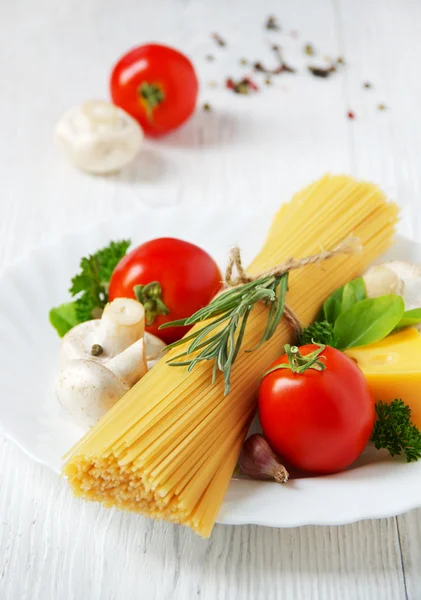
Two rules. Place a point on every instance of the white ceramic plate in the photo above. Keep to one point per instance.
(29, 413)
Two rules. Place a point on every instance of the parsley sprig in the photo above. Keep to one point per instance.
(394, 430)
(320, 332)
(89, 288)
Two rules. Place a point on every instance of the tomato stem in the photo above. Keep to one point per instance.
(151, 95)
(150, 295)
(298, 363)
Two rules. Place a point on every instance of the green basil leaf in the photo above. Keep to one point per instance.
(358, 286)
(349, 298)
(410, 317)
(342, 299)
(63, 318)
(332, 309)
(368, 321)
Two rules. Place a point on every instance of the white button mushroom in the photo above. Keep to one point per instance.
(396, 277)
(99, 137)
(121, 324)
(88, 389)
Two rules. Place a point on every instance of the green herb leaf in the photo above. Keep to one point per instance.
(320, 332)
(368, 321)
(353, 292)
(332, 308)
(409, 318)
(342, 299)
(220, 339)
(394, 430)
(90, 287)
(63, 318)
(91, 284)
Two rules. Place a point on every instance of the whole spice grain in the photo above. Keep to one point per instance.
(381, 106)
(309, 50)
(268, 81)
(242, 86)
(340, 60)
(207, 107)
(97, 350)
(219, 39)
(282, 67)
(244, 61)
(210, 57)
(321, 71)
(272, 24)
(350, 115)
(367, 85)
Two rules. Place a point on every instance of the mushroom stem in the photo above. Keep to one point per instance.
(122, 324)
(130, 365)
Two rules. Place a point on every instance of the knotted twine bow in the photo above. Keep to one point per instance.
(349, 245)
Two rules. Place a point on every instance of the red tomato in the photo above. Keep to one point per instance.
(318, 421)
(157, 86)
(189, 278)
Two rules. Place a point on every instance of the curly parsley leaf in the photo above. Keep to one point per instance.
(89, 287)
(394, 430)
(320, 332)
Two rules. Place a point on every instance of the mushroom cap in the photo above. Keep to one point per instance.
(77, 343)
(87, 390)
(380, 280)
(99, 137)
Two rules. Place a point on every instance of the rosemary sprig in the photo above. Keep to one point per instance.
(220, 340)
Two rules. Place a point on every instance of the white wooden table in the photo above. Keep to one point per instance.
(55, 54)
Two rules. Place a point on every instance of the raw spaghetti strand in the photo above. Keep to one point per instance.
(167, 449)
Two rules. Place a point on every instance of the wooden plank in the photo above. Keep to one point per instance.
(248, 150)
(382, 46)
(55, 546)
(409, 530)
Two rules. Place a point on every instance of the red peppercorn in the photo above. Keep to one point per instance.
(351, 115)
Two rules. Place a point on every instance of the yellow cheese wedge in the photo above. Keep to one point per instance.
(393, 369)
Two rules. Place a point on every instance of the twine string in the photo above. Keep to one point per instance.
(349, 245)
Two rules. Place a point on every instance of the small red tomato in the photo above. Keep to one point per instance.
(177, 279)
(157, 86)
(319, 420)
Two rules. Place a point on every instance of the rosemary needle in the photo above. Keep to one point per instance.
(220, 340)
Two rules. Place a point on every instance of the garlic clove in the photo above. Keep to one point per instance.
(99, 137)
(258, 461)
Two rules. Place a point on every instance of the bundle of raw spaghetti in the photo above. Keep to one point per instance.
(169, 447)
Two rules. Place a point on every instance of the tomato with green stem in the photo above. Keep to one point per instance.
(157, 86)
(316, 409)
(172, 278)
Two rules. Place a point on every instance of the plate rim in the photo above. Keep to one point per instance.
(228, 515)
